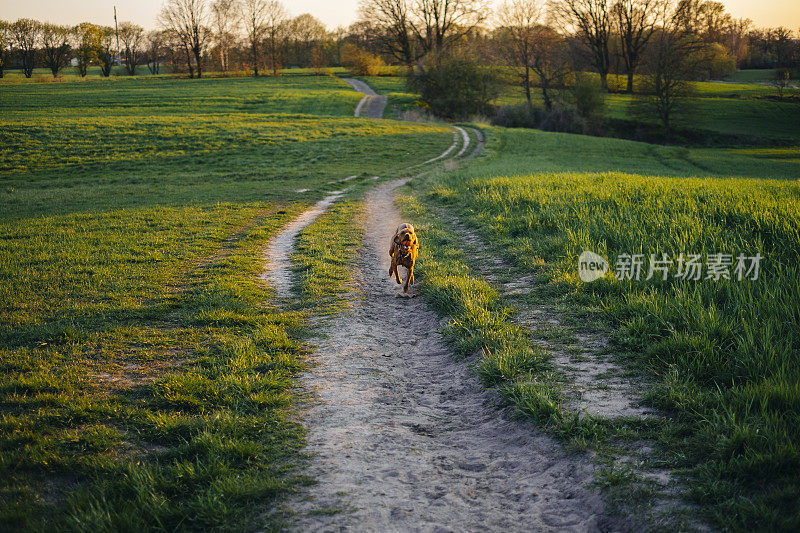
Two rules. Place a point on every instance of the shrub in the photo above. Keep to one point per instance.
(454, 85)
(587, 96)
(562, 118)
(360, 62)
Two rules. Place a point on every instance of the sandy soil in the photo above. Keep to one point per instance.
(277, 271)
(373, 104)
(403, 437)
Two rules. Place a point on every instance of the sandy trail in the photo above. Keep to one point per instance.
(403, 437)
(373, 104)
(277, 270)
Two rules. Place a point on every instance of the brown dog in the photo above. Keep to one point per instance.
(403, 251)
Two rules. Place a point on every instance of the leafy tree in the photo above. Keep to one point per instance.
(55, 46)
(85, 44)
(305, 32)
(359, 61)
(6, 45)
(455, 85)
(105, 50)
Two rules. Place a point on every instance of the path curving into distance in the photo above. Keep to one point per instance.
(372, 104)
(404, 437)
(277, 271)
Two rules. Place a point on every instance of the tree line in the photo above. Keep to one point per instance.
(607, 36)
(192, 36)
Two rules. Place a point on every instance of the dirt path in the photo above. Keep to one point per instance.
(404, 437)
(277, 270)
(373, 104)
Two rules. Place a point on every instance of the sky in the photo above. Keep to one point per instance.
(332, 12)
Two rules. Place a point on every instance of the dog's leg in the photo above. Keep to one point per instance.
(408, 278)
(394, 269)
(411, 274)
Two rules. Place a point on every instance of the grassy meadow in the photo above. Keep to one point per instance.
(720, 357)
(146, 380)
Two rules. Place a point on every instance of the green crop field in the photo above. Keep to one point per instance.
(144, 377)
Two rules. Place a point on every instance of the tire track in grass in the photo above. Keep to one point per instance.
(277, 270)
(372, 104)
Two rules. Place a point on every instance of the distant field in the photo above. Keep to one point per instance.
(753, 75)
(723, 356)
(144, 377)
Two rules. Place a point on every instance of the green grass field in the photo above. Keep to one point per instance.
(146, 381)
(145, 377)
(721, 357)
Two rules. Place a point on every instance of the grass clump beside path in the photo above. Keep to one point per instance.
(326, 251)
(724, 354)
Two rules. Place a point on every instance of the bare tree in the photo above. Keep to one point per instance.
(187, 18)
(592, 22)
(225, 22)
(518, 21)
(85, 42)
(636, 21)
(254, 19)
(274, 33)
(6, 45)
(393, 18)
(26, 33)
(105, 50)
(154, 51)
(132, 37)
(55, 46)
(670, 63)
(437, 23)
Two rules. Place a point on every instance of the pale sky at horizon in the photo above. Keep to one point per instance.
(766, 13)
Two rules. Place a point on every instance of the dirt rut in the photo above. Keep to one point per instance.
(277, 270)
(403, 437)
(373, 104)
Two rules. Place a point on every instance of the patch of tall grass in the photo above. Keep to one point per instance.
(725, 354)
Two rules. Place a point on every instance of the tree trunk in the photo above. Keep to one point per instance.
(197, 60)
(630, 81)
(548, 103)
(189, 62)
(254, 50)
(604, 80)
(528, 85)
